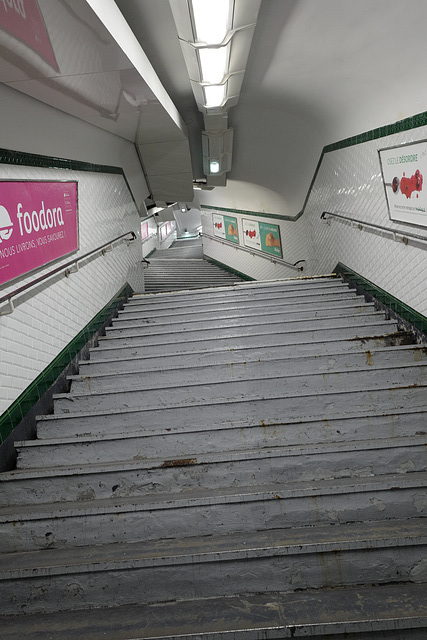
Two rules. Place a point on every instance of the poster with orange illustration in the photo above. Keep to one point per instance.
(404, 170)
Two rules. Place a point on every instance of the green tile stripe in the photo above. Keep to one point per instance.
(22, 405)
(403, 310)
(413, 122)
(225, 267)
(20, 158)
(407, 124)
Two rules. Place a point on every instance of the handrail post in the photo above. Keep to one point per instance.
(74, 269)
(10, 310)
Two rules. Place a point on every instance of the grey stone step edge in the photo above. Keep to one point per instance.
(416, 367)
(413, 353)
(192, 430)
(392, 609)
(239, 290)
(240, 546)
(401, 339)
(232, 496)
(248, 455)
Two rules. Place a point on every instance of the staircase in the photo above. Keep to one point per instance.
(183, 266)
(244, 462)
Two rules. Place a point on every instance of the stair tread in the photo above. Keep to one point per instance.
(257, 454)
(209, 497)
(285, 374)
(300, 540)
(243, 617)
(322, 362)
(326, 346)
(147, 432)
(240, 400)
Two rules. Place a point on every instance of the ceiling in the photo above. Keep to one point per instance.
(318, 71)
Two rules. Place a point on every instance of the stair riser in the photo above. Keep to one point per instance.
(193, 442)
(272, 387)
(101, 359)
(183, 314)
(243, 292)
(244, 319)
(213, 330)
(228, 372)
(191, 474)
(245, 413)
(233, 338)
(221, 577)
(193, 518)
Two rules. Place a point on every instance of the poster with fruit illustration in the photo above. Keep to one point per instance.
(270, 239)
(262, 236)
(225, 227)
(404, 170)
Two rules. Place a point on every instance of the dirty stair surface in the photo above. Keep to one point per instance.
(245, 461)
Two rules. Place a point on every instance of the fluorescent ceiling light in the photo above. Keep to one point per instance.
(213, 63)
(214, 95)
(214, 166)
(211, 20)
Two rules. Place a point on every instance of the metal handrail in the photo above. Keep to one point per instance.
(360, 224)
(103, 249)
(253, 252)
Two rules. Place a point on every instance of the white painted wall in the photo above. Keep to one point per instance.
(31, 126)
(350, 182)
(43, 324)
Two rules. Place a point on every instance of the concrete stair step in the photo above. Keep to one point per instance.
(212, 566)
(252, 326)
(145, 325)
(187, 307)
(137, 375)
(252, 291)
(233, 337)
(239, 412)
(396, 612)
(275, 386)
(175, 443)
(259, 348)
(206, 512)
(255, 467)
(271, 616)
(343, 307)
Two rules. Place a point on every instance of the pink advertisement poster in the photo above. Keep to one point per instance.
(144, 230)
(23, 20)
(38, 224)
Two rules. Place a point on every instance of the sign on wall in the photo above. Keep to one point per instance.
(404, 170)
(23, 20)
(144, 230)
(262, 236)
(225, 227)
(38, 224)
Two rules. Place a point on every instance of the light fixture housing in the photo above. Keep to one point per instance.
(215, 38)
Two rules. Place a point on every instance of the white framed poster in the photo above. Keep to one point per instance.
(404, 169)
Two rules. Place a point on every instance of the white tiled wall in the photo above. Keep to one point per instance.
(349, 182)
(295, 246)
(43, 324)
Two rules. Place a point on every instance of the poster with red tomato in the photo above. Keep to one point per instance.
(251, 236)
(404, 170)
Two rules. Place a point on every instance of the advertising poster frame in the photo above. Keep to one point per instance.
(39, 224)
(404, 170)
(226, 227)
